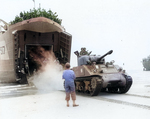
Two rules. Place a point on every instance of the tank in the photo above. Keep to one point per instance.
(25, 46)
(94, 75)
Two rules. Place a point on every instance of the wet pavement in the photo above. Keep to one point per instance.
(8, 90)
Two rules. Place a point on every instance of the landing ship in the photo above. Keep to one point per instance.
(94, 75)
(146, 63)
(23, 42)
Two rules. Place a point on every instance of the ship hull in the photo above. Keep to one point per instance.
(20, 37)
(146, 64)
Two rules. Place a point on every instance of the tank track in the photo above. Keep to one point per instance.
(127, 86)
(122, 89)
(92, 85)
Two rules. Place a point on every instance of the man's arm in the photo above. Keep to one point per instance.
(74, 76)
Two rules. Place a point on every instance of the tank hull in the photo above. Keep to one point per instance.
(101, 78)
(18, 39)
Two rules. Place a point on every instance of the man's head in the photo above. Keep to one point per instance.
(67, 65)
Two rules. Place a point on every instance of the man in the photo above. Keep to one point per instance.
(69, 77)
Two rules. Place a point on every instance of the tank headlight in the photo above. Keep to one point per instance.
(124, 71)
(112, 62)
(120, 69)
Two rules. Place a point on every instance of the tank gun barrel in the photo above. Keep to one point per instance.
(108, 53)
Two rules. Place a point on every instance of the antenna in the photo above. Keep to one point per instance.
(39, 5)
(34, 3)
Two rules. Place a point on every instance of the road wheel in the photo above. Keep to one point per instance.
(96, 86)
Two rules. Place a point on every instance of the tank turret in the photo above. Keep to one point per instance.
(89, 59)
(93, 75)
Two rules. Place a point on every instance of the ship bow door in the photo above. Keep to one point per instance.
(65, 40)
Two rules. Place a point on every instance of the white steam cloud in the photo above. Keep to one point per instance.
(50, 79)
(49, 76)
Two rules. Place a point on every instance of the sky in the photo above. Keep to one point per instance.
(99, 25)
